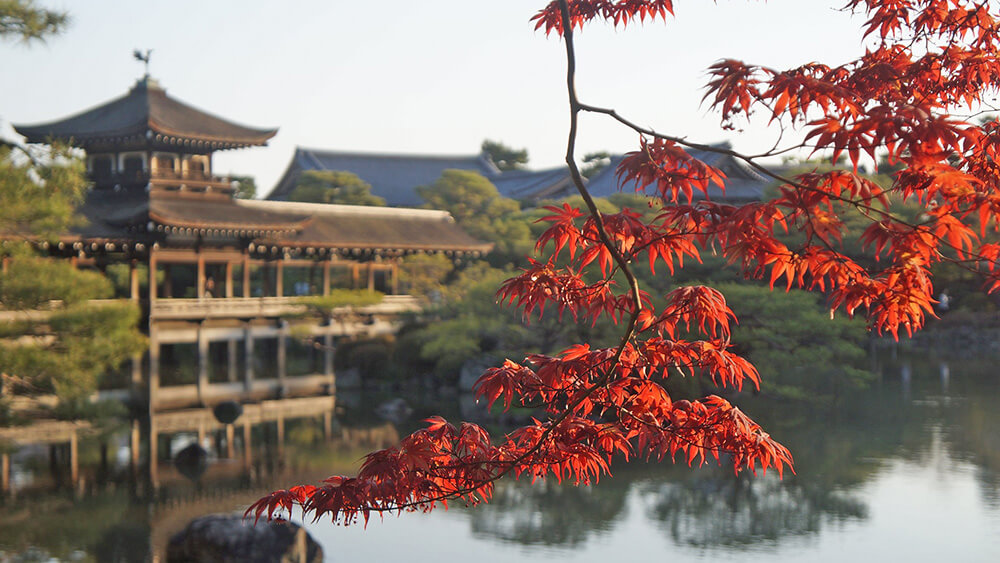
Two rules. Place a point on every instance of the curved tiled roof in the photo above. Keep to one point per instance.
(742, 182)
(393, 177)
(148, 112)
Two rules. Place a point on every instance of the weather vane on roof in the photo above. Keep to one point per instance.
(144, 57)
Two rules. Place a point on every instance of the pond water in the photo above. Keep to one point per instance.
(908, 471)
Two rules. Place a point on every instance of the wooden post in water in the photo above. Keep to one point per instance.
(74, 459)
(134, 446)
(248, 356)
(231, 361)
(283, 356)
(247, 445)
(5, 472)
(230, 447)
(281, 433)
(154, 455)
(203, 365)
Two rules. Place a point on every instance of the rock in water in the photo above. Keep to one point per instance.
(228, 538)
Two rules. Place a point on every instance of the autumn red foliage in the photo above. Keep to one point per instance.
(899, 102)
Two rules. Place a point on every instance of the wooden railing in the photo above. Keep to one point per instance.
(249, 307)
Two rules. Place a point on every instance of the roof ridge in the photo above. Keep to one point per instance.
(333, 208)
(367, 154)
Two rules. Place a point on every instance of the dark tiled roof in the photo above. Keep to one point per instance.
(223, 213)
(742, 182)
(147, 108)
(534, 185)
(392, 176)
(138, 216)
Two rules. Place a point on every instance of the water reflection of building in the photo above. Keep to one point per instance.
(221, 280)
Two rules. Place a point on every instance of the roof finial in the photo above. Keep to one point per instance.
(144, 57)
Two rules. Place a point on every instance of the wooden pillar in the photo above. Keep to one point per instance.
(281, 432)
(328, 425)
(326, 278)
(201, 274)
(154, 366)
(355, 275)
(279, 278)
(4, 264)
(5, 472)
(283, 355)
(371, 277)
(134, 445)
(229, 279)
(133, 281)
(152, 275)
(136, 374)
(203, 364)
(231, 361)
(201, 434)
(394, 272)
(168, 284)
(246, 274)
(328, 352)
(247, 444)
(230, 449)
(74, 459)
(154, 454)
(248, 357)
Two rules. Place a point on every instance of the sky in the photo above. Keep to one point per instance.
(399, 76)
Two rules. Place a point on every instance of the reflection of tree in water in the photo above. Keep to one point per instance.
(547, 513)
(726, 511)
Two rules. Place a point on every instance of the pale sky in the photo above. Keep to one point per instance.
(401, 76)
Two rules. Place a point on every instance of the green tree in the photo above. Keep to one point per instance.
(26, 21)
(333, 186)
(53, 339)
(246, 187)
(505, 157)
(482, 212)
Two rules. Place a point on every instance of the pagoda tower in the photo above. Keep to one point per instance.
(147, 140)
